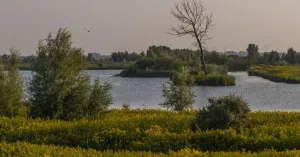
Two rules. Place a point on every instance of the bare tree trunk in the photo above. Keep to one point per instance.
(202, 60)
(201, 52)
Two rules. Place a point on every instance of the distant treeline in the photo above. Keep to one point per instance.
(165, 58)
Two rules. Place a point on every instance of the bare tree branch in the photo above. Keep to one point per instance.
(193, 21)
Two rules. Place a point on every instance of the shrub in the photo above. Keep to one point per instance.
(11, 87)
(59, 87)
(126, 106)
(223, 113)
(100, 98)
(214, 80)
(178, 92)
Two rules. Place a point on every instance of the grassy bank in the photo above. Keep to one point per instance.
(31, 150)
(214, 80)
(286, 74)
(156, 131)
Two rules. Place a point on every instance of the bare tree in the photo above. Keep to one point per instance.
(193, 22)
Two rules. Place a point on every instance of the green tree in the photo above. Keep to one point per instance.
(274, 57)
(59, 88)
(178, 92)
(253, 51)
(11, 87)
(151, 54)
(291, 56)
(100, 98)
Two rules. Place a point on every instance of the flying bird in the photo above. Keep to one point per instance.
(86, 30)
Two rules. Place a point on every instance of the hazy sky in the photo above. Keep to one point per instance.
(134, 25)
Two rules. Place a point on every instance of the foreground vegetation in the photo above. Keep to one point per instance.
(31, 150)
(287, 74)
(156, 131)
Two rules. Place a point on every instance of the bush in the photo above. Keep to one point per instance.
(59, 87)
(223, 113)
(178, 92)
(11, 87)
(100, 98)
(214, 80)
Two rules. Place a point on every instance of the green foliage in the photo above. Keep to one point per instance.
(158, 64)
(59, 88)
(291, 56)
(215, 58)
(126, 106)
(178, 92)
(253, 51)
(214, 80)
(214, 69)
(151, 54)
(100, 98)
(30, 150)
(287, 74)
(11, 87)
(223, 113)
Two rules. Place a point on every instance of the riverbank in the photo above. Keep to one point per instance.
(285, 74)
(158, 131)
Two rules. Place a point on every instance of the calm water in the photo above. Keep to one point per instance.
(261, 94)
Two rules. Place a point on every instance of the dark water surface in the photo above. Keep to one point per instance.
(261, 94)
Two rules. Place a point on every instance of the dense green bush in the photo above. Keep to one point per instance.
(214, 80)
(59, 87)
(100, 98)
(286, 74)
(11, 87)
(178, 91)
(223, 113)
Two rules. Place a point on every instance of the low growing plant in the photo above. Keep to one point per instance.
(223, 113)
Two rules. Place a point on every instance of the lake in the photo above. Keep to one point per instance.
(261, 94)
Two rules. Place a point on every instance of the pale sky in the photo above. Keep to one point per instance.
(134, 25)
